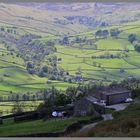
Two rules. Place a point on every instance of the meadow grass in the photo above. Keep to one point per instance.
(9, 128)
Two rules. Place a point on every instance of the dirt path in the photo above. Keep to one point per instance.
(106, 117)
(89, 126)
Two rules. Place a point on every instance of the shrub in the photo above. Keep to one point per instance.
(137, 48)
(45, 69)
(127, 124)
(131, 38)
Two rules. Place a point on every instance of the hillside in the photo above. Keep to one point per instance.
(85, 57)
(54, 54)
(45, 45)
(60, 18)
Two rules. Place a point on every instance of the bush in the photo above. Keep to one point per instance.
(30, 65)
(62, 99)
(52, 77)
(137, 48)
(31, 71)
(45, 69)
(131, 38)
(127, 124)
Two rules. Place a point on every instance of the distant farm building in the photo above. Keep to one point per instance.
(112, 95)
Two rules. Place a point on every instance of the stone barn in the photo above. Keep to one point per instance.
(112, 95)
(83, 107)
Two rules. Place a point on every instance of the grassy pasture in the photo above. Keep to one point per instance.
(6, 107)
(11, 129)
(73, 60)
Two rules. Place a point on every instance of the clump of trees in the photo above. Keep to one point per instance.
(115, 33)
(105, 33)
(18, 107)
(54, 97)
(102, 33)
(30, 68)
(35, 52)
(133, 39)
(137, 47)
(64, 41)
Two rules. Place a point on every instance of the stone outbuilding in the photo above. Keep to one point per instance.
(112, 95)
(83, 107)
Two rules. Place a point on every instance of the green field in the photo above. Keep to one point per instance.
(19, 80)
(73, 60)
(9, 128)
(6, 107)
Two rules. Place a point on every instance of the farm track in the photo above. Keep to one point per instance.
(106, 117)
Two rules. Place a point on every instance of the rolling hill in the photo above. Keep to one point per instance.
(51, 22)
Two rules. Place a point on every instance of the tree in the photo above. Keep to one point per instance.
(131, 38)
(94, 63)
(105, 33)
(84, 60)
(30, 68)
(30, 65)
(137, 47)
(45, 69)
(2, 29)
(65, 40)
(50, 43)
(52, 77)
(72, 92)
(114, 32)
(18, 107)
(17, 97)
(31, 71)
(104, 24)
(122, 70)
(98, 33)
(102, 33)
(25, 97)
(62, 99)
